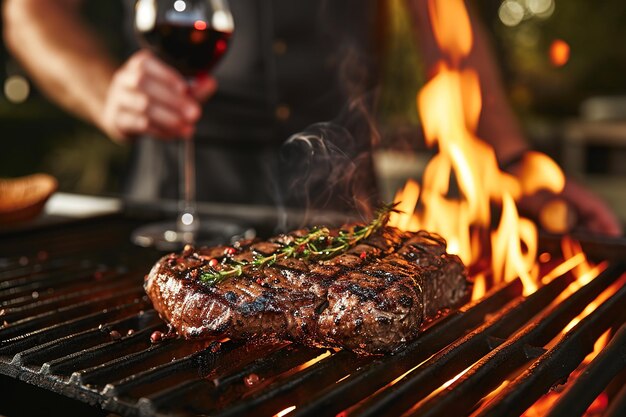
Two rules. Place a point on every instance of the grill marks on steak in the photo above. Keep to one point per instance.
(370, 299)
(383, 304)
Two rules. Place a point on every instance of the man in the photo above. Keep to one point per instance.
(290, 64)
(268, 90)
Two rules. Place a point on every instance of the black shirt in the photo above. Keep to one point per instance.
(290, 64)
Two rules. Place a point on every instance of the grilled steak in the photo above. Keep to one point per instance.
(372, 298)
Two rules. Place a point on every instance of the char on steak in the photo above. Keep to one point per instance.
(370, 299)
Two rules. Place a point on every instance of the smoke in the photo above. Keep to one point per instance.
(329, 166)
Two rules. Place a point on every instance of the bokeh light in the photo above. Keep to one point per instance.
(16, 89)
(180, 5)
(514, 12)
(539, 7)
(559, 52)
(199, 25)
(511, 13)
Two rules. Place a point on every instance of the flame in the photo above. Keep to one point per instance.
(285, 411)
(556, 216)
(564, 267)
(588, 310)
(542, 406)
(540, 172)
(509, 259)
(599, 345)
(443, 387)
(584, 271)
(462, 183)
(480, 286)
(310, 362)
(450, 105)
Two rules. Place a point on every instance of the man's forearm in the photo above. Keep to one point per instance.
(60, 53)
(498, 124)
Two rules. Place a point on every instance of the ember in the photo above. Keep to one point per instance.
(251, 380)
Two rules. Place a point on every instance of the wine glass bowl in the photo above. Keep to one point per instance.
(191, 36)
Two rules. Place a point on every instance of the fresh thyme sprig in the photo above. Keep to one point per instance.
(317, 244)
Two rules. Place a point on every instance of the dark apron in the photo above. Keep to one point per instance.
(290, 65)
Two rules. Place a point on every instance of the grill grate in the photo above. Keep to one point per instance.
(79, 324)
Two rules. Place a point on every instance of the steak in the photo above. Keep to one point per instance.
(371, 299)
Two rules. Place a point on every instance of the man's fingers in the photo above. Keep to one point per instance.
(203, 87)
(589, 211)
(130, 124)
(164, 119)
(159, 112)
(145, 62)
(162, 86)
(187, 107)
(594, 214)
(158, 121)
(147, 96)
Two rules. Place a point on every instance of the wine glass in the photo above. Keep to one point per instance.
(191, 36)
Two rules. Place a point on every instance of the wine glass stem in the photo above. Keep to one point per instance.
(188, 221)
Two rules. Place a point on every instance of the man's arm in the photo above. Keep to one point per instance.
(60, 53)
(500, 127)
(70, 65)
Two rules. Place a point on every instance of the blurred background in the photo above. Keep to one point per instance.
(563, 63)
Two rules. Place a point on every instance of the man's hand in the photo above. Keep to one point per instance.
(576, 208)
(593, 214)
(146, 96)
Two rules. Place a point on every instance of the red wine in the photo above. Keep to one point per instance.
(193, 49)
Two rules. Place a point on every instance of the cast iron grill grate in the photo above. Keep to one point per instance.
(74, 320)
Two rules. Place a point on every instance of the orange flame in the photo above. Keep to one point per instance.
(584, 272)
(509, 259)
(450, 105)
(452, 27)
(285, 411)
(540, 172)
(480, 286)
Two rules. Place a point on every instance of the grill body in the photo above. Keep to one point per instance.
(75, 322)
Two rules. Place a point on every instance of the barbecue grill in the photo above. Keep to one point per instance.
(75, 321)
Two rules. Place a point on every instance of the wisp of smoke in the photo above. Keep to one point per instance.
(324, 168)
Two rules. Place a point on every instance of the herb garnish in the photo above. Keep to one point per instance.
(317, 244)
